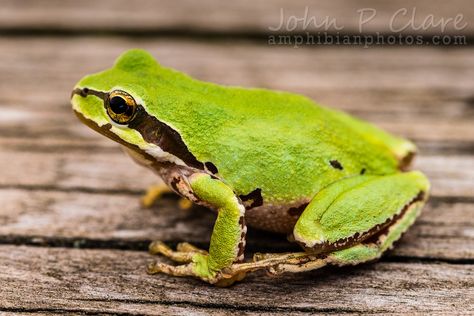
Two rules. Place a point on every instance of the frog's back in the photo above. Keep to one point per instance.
(281, 143)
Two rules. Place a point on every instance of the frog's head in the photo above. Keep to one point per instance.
(122, 103)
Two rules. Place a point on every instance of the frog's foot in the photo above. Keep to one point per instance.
(195, 264)
(155, 192)
(196, 269)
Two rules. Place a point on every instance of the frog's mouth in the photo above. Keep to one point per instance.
(105, 130)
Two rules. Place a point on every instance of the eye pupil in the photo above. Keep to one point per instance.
(118, 105)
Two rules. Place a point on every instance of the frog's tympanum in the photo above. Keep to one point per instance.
(273, 160)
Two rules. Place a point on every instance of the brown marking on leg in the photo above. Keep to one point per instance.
(241, 247)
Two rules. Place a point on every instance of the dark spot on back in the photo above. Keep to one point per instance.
(362, 171)
(255, 196)
(211, 167)
(336, 164)
(298, 210)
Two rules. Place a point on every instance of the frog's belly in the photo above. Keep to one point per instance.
(275, 218)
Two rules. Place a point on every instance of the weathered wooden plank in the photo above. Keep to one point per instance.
(212, 16)
(444, 231)
(115, 281)
(416, 79)
(90, 168)
(406, 91)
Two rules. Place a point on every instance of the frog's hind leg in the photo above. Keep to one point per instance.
(367, 250)
(363, 216)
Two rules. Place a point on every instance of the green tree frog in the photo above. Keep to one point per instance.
(277, 161)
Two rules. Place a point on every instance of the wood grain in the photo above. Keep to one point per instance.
(115, 220)
(405, 90)
(58, 192)
(106, 281)
(224, 17)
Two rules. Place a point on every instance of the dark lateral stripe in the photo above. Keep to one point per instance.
(153, 131)
(158, 133)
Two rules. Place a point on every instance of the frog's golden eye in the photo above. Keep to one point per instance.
(121, 107)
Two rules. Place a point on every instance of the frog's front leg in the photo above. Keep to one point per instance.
(227, 240)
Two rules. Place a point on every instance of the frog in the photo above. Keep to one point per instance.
(339, 187)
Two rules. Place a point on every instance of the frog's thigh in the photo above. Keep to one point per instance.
(353, 209)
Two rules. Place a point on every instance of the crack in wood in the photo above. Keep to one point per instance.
(187, 33)
(231, 307)
(142, 245)
(61, 311)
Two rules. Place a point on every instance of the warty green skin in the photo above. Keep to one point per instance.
(281, 143)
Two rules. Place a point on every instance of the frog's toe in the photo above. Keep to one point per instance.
(223, 278)
(187, 247)
(159, 248)
(258, 256)
(185, 204)
(180, 270)
(154, 193)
